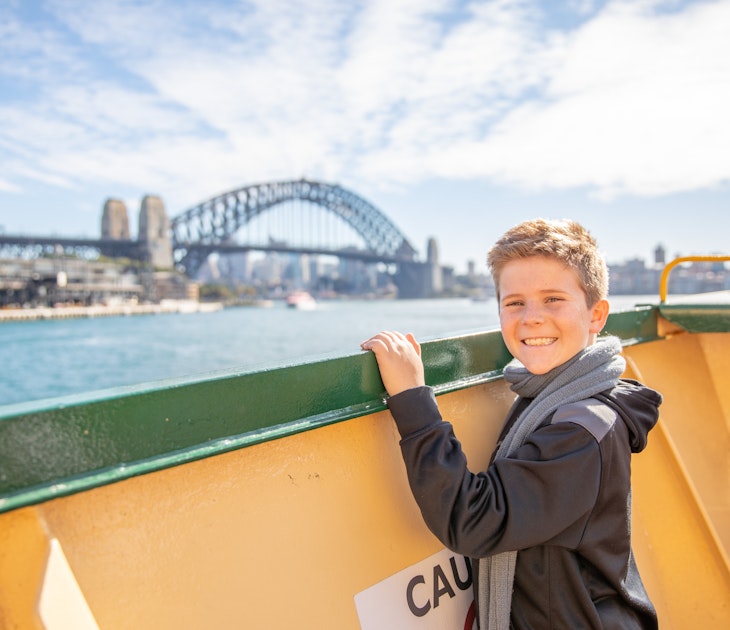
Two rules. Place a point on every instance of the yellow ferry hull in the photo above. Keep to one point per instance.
(290, 531)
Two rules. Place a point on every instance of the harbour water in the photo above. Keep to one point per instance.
(50, 358)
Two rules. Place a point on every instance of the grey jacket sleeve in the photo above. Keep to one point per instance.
(542, 494)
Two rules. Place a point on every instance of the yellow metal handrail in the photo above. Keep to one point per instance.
(664, 280)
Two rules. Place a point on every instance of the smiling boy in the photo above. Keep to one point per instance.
(547, 525)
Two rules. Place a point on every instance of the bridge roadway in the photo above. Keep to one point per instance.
(133, 249)
(350, 253)
(104, 245)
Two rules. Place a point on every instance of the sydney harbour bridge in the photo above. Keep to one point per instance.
(296, 217)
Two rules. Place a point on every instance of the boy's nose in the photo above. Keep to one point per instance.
(532, 314)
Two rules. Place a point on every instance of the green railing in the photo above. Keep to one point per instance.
(58, 447)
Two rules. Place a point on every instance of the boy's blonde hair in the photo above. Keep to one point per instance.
(563, 240)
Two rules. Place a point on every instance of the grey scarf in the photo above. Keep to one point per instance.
(593, 370)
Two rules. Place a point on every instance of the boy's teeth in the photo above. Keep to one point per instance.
(539, 341)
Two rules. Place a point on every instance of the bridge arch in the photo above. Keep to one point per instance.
(214, 221)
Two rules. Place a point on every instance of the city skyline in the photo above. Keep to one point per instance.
(456, 120)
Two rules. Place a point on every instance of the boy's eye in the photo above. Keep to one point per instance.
(513, 303)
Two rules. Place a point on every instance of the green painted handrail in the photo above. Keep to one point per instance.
(66, 445)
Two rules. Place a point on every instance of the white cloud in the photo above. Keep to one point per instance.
(635, 106)
(8, 186)
(192, 101)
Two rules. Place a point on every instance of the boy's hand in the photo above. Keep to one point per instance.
(399, 360)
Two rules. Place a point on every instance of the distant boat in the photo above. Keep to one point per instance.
(301, 300)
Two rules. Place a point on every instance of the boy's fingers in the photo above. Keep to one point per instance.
(414, 343)
(384, 338)
(369, 344)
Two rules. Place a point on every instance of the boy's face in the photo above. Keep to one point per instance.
(543, 313)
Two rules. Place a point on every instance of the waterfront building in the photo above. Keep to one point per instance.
(59, 281)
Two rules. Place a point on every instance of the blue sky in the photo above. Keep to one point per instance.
(457, 119)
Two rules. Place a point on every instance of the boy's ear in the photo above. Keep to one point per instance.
(599, 315)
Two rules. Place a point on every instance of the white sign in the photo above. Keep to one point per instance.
(435, 594)
(62, 604)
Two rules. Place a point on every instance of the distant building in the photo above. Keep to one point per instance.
(660, 255)
(51, 281)
(115, 221)
(633, 277)
(154, 232)
(168, 285)
(437, 280)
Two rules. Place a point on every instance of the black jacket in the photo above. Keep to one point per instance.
(563, 500)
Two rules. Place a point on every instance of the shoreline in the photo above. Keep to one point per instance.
(70, 312)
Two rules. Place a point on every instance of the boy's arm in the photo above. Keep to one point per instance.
(545, 492)
(506, 507)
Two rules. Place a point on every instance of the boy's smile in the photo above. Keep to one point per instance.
(543, 313)
(544, 341)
